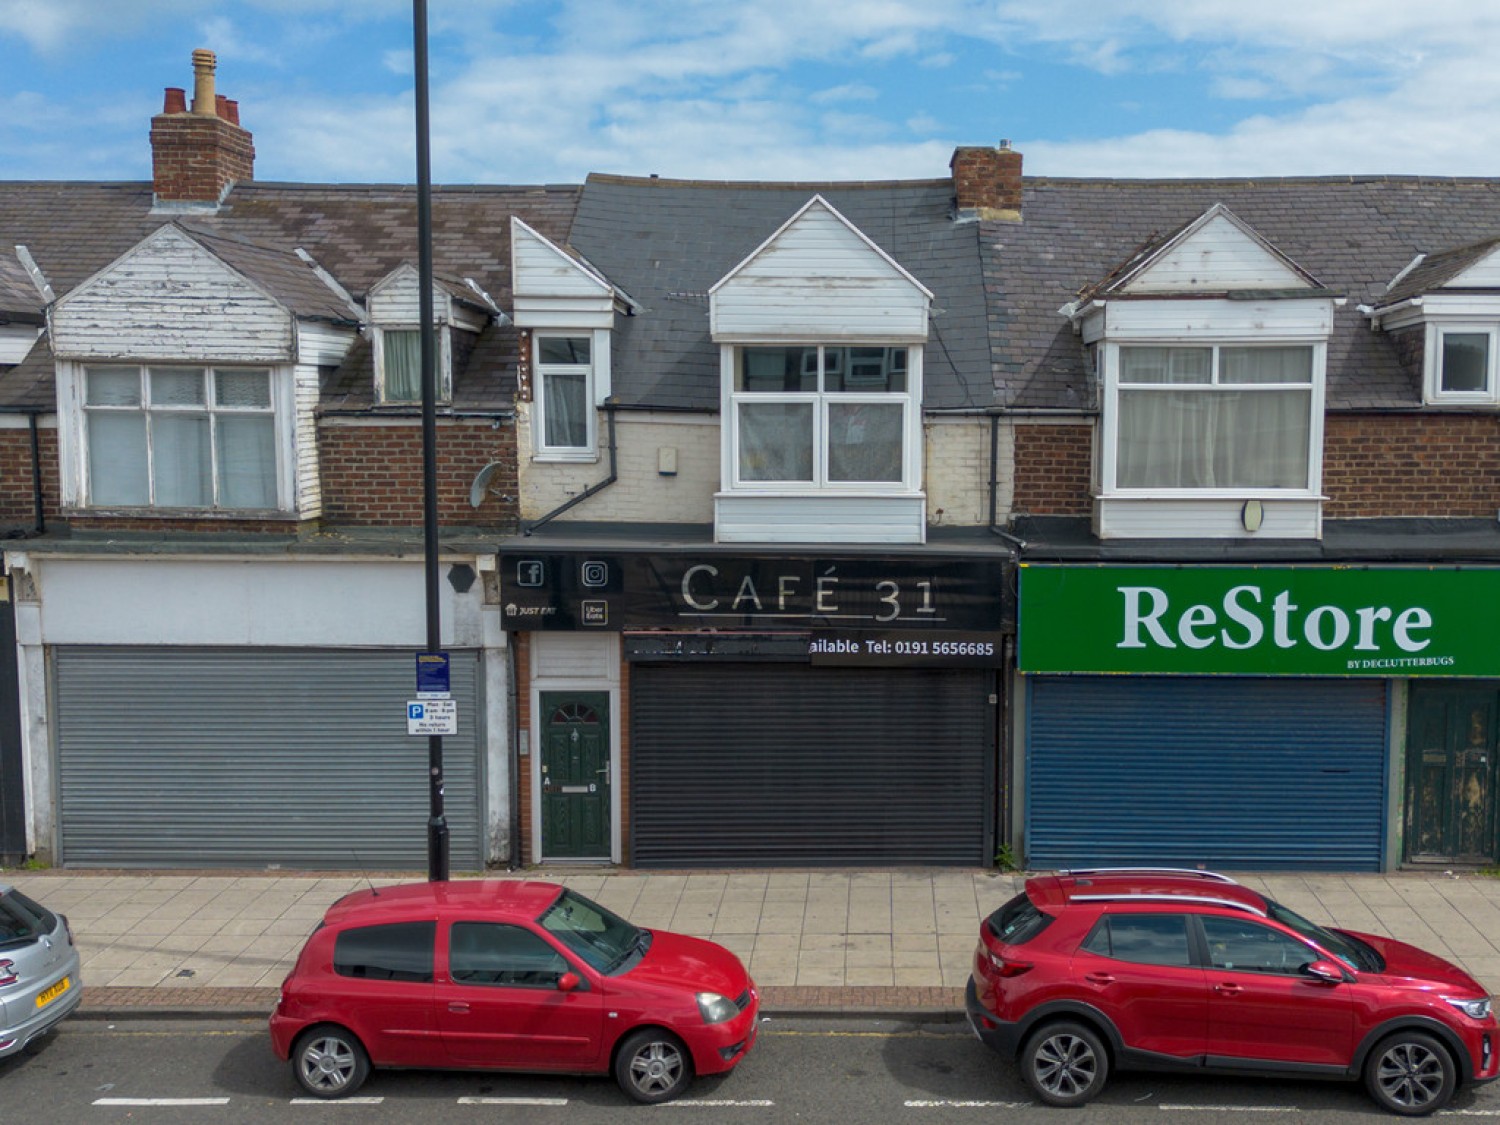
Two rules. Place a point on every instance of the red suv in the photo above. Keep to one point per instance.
(508, 975)
(1139, 968)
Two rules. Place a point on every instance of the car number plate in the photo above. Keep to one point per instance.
(46, 996)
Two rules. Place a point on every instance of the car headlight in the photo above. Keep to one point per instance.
(716, 1008)
(1474, 1009)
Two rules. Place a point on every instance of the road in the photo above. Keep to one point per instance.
(841, 1071)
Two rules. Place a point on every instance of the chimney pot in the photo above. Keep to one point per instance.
(175, 101)
(204, 99)
(231, 111)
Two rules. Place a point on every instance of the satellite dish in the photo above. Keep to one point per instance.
(481, 484)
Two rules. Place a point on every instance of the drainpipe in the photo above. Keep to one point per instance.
(609, 411)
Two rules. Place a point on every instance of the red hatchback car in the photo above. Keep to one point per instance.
(508, 975)
(1085, 971)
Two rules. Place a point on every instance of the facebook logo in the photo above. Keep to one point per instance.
(530, 572)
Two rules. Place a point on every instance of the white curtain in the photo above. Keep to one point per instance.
(565, 409)
(402, 360)
(776, 441)
(864, 442)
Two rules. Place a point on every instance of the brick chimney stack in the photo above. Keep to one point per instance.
(198, 153)
(987, 182)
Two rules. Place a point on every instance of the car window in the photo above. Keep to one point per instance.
(1246, 946)
(1018, 921)
(21, 920)
(1146, 939)
(603, 939)
(492, 953)
(397, 951)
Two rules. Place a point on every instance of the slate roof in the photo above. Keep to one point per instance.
(20, 303)
(665, 242)
(1352, 234)
(358, 233)
(1436, 270)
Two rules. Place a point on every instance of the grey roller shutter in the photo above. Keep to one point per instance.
(225, 758)
(778, 764)
(1242, 774)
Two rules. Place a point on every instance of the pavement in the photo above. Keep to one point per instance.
(868, 942)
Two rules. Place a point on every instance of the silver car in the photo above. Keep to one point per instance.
(39, 979)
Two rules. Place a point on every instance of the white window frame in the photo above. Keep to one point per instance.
(444, 357)
(1109, 468)
(1433, 361)
(596, 376)
(911, 431)
(73, 379)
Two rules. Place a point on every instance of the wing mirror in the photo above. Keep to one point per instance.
(567, 982)
(1325, 971)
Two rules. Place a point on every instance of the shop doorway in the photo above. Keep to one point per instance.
(1451, 768)
(576, 791)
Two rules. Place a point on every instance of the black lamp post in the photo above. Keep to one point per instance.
(437, 824)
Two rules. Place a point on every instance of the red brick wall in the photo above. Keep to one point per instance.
(17, 491)
(1054, 470)
(1441, 465)
(372, 475)
(194, 158)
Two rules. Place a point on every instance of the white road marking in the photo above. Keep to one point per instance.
(337, 1101)
(1231, 1108)
(512, 1101)
(948, 1104)
(161, 1101)
(689, 1102)
(1468, 1113)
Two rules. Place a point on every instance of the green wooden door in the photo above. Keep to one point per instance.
(1451, 770)
(575, 775)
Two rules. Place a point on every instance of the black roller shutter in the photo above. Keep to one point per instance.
(791, 765)
(1241, 774)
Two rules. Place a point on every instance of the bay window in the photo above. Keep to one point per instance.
(1214, 417)
(1462, 368)
(821, 416)
(180, 437)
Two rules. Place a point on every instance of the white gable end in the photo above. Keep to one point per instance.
(1217, 256)
(170, 299)
(551, 288)
(819, 278)
(1483, 274)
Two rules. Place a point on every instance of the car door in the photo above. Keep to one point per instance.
(1138, 969)
(1263, 1006)
(382, 987)
(501, 1004)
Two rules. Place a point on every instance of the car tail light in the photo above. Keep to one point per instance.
(1007, 968)
(8, 973)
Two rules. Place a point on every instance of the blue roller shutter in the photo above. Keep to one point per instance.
(1241, 774)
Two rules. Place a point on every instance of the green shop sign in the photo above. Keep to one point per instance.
(1280, 621)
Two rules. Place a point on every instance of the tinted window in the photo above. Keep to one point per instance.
(489, 953)
(1146, 939)
(1252, 948)
(1018, 921)
(401, 951)
(21, 920)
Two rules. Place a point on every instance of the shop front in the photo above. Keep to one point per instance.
(1275, 717)
(710, 708)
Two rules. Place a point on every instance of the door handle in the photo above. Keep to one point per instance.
(1228, 989)
(458, 1006)
(1099, 978)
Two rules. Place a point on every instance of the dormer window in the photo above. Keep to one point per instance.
(564, 423)
(398, 365)
(1462, 365)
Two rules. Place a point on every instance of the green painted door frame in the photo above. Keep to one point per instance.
(576, 791)
(1453, 735)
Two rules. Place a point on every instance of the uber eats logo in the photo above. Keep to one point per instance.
(1311, 621)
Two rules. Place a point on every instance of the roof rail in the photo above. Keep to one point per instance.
(1196, 872)
(1203, 900)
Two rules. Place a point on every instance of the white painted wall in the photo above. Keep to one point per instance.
(958, 471)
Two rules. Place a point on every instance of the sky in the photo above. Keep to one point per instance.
(547, 92)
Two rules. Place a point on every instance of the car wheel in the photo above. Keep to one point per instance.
(1065, 1064)
(653, 1066)
(1411, 1073)
(329, 1062)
